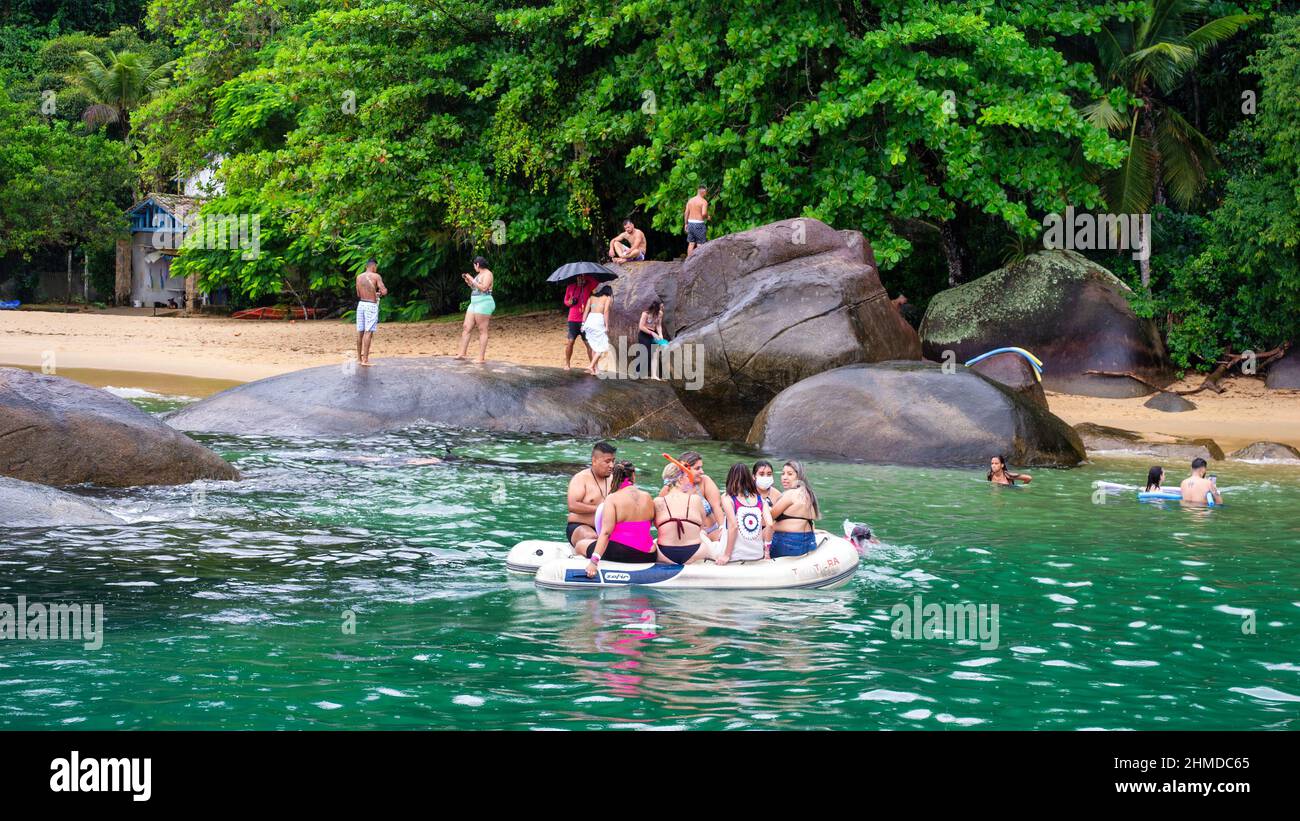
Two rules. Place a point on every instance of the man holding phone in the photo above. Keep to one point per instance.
(1197, 488)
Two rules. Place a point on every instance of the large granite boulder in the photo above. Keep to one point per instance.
(912, 413)
(27, 504)
(764, 309)
(1104, 439)
(58, 432)
(1014, 371)
(1068, 311)
(395, 393)
(1284, 373)
(1267, 452)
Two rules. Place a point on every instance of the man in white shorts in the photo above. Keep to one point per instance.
(370, 287)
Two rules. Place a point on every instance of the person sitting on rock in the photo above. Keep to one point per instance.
(999, 475)
(628, 246)
(1197, 488)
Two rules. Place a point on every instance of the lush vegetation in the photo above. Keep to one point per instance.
(424, 131)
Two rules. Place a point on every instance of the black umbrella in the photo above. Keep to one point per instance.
(575, 269)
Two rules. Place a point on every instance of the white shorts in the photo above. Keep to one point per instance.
(367, 316)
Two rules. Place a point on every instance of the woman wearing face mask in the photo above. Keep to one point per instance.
(766, 481)
(794, 513)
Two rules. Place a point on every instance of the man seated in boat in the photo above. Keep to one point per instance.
(587, 489)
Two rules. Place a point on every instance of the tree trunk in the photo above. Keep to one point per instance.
(69, 301)
(85, 276)
(1157, 182)
(953, 253)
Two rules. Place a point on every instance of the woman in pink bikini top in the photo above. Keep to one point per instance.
(625, 524)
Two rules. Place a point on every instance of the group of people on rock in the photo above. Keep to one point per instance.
(588, 302)
(747, 519)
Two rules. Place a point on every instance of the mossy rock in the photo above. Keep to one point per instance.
(1070, 312)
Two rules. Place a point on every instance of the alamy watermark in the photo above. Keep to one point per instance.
(36, 621)
(957, 622)
(1098, 232)
(683, 362)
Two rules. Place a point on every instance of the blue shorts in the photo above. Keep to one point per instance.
(793, 544)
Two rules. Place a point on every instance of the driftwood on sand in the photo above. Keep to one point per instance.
(1215, 376)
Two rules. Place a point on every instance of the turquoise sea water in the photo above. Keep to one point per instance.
(226, 605)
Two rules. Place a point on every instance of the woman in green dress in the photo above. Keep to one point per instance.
(481, 306)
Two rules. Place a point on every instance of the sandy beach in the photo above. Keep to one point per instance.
(207, 354)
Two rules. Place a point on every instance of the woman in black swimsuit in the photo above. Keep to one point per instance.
(678, 514)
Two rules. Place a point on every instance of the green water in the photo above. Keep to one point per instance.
(226, 608)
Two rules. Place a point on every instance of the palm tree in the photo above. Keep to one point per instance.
(1149, 57)
(119, 86)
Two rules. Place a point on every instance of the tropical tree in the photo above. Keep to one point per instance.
(1150, 56)
(119, 86)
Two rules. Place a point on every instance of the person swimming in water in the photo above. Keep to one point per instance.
(625, 524)
(794, 514)
(679, 518)
(1197, 488)
(999, 475)
(749, 520)
(1155, 478)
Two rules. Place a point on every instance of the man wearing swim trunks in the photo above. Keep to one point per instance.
(697, 216)
(576, 296)
(628, 246)
(370, 287)
(587, 489)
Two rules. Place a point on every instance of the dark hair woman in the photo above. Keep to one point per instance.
(749, 521)
(481, 306)
(649, 335)
(706, 487)
(795, 513)
(765, 478)
(999, 475)
(625, 517)
(1155, 478)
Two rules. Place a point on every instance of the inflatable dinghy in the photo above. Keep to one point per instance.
(555, 566)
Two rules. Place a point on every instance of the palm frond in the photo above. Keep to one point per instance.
(1216, 31)
(1187, 156)
(1130, 188)
(1104, 115)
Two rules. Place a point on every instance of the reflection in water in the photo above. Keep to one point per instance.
(223, 608)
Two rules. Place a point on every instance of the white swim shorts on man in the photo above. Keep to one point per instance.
(367, 316)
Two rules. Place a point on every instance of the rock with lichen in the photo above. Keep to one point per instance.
(1067, 310)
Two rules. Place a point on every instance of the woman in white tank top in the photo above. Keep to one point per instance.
(749, 522)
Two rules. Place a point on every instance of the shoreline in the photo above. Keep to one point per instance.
(198, 356)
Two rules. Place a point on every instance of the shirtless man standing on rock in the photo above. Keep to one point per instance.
(370, 287)
(697, 220)
(587, 489)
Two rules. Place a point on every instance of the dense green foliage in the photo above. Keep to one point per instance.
(422, 132)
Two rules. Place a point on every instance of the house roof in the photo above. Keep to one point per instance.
(179, 206)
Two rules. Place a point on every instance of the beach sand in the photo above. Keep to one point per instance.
(216, 352)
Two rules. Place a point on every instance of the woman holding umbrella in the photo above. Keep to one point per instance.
(581, 280)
